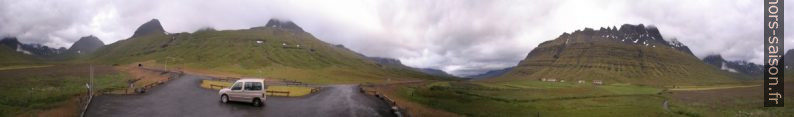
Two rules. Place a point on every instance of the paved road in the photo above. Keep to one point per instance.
(184, 97)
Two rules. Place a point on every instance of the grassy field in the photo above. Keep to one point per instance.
(32, 90)
(701, 88)
(294, 91)
(739, 101)
(10, 57)
(22, 67)
(533, 98)
(520, 99)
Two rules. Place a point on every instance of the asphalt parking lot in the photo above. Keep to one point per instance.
(183, 97)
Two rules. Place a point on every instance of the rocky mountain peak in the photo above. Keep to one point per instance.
(87, 44)
(645, 36)
(151, 27)
(283, 24)
(10, 42)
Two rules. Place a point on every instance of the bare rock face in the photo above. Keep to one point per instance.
(151, 27)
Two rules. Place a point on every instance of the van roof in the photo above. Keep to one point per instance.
(251, 80)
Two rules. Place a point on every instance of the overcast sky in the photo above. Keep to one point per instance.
(458, 36)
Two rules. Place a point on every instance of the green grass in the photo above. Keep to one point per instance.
(9, 57)
(531, 98)
(30, 94)
(22, 66)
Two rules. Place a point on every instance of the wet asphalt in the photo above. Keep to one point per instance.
(182, 97)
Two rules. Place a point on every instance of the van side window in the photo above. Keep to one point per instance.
(237, 86)
(253, 86)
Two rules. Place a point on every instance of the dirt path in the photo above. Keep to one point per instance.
(184, 97)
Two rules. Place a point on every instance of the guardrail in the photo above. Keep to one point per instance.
(294, 83)
(398, 111)
(315, 90)
(275, 92)
(142, 89)
(219, 86)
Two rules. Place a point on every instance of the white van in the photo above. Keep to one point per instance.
(245, 90)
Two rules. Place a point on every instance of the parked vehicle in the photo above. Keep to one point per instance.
(245, 90)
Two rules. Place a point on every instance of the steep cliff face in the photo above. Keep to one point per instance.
(632, 54)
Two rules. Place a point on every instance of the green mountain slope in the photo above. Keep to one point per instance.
(263, 51)
(9, 56)
(631, 54)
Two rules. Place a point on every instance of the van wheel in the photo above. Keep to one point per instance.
(257, 102)
(224, 98)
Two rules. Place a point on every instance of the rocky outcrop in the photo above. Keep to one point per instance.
(87, 44)
(283, 24)
(148, 28)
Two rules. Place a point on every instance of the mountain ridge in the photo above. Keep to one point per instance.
(254, 52)
(742, 67)
(630, 54)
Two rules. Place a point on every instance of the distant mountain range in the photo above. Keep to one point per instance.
(394, 63)
(85, 45)
(629, 54)
(491, 74)
(742, 67)
(35, 50)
